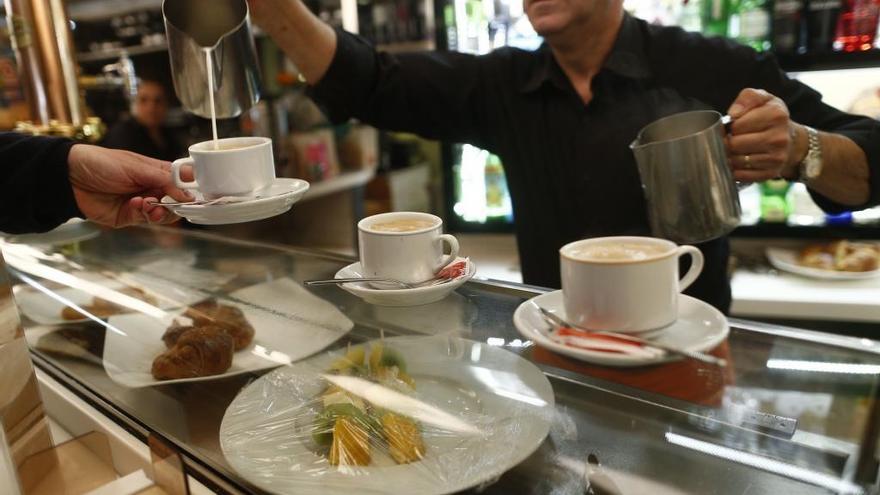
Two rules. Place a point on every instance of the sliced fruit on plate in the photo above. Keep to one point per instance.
(351, 443)
(405, 442)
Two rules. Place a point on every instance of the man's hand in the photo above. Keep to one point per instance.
(119, 188)
(764, 143)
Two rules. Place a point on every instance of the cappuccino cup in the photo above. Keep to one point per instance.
(236, 167)
(624, 284)
(406, 246)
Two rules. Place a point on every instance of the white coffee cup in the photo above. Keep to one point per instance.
(240, 167)
(624, 284)
(412, 253)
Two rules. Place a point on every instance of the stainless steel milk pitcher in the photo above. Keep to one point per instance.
(689, 188)
(222, 28)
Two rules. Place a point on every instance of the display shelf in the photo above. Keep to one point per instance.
(829, 61)
(117, 52)
(784, 231)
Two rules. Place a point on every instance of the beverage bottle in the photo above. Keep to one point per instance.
(715, 15)
(750, 24)
(857, 25)
(789, 28)
(775, 207)
(821, 24)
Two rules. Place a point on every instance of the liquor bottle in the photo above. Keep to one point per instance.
(821, 24)
(750, 24)
(715, 15)
(857, 25)
(789, 28)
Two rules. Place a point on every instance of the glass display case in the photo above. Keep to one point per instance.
(793, 412)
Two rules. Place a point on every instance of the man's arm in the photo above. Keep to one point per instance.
(308, 41)
(768, 143)
(440, 95)
(46, 181)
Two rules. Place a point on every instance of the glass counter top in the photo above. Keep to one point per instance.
(793, 412)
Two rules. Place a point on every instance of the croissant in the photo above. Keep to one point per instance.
(198, 352)
(229, 318)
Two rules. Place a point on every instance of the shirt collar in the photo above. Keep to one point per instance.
(627, 58)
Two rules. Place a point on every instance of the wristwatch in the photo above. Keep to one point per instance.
(811, 166)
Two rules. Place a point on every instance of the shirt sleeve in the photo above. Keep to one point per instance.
(806, 107)
(35, 191)
(439, 95)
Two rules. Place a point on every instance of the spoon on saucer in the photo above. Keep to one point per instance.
(447, 274)
(556, 321)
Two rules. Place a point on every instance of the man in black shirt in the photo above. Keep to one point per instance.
(46, 181)
(561, 118)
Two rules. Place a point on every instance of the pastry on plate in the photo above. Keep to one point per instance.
(103, 308)
(202, 351)
(844, 256)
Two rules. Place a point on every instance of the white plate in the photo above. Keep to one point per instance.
(700, 327)
(46, 310)
(506, 402)
(74, 230)
(786, 260)
(289, 324)
(401, 297)
(279, 197)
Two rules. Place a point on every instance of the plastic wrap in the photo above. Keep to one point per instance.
(425, 415)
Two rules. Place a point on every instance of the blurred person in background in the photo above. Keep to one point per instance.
(145, 132)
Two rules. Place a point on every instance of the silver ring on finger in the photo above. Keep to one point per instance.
(748, 160)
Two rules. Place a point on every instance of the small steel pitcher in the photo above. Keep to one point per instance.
(689, 188)
(221, 27)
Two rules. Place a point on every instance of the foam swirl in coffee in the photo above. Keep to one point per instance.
(617, 251)
(402, 225)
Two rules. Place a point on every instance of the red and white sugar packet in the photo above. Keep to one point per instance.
(593, 341)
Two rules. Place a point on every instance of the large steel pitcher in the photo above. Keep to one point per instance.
(220, 28)
(689, 188)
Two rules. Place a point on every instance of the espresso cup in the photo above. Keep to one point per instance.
(236, 167)
(406, 246)
(624, 284)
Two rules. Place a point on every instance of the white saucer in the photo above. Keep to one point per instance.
(275, 200)
(401, 297)
(700, 327)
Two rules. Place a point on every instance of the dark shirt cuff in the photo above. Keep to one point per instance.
(37, 195)
(869, 141)
(56, 203)
(348, 80)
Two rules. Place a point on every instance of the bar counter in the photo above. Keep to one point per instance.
(794, 411)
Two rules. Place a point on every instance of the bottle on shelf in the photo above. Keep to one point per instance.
(715, 17)
(789, 26)
(857, 25)
(775, 207)
(750, 23)
(821, 24)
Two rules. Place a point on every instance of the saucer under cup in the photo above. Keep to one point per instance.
(405, 246)
(624, 284)
(238, 167)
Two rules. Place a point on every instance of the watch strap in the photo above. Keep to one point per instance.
(814, 152)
